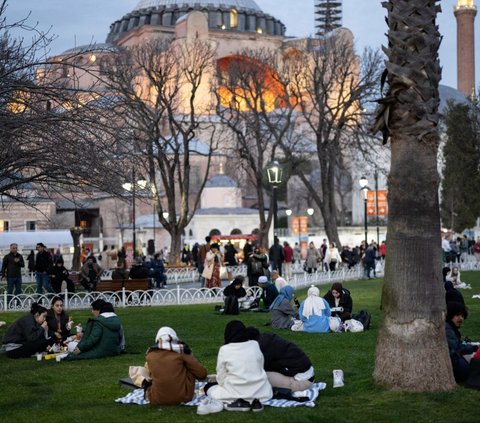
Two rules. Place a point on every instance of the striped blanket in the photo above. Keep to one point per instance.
(136, 397)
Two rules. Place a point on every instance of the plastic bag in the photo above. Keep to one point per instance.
(353, 325)
(335, 324)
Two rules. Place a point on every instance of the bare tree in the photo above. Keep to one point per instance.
(51, 137)
(334, 87)
(163, 101)
(413, 303)
(256, 102)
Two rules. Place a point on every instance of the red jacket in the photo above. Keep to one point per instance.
(287, 254)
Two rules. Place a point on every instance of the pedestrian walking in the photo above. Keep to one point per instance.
(12, 270)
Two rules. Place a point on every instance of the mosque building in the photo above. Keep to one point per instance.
(232, 25)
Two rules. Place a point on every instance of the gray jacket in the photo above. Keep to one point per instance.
(283, 315)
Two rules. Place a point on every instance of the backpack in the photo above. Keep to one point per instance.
(257, 266)
(364, 317)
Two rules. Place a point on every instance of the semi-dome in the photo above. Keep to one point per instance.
(238, 4)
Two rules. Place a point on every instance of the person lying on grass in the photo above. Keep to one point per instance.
(173, 370)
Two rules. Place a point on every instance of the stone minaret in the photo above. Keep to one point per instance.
(465, 12)
(328, 16)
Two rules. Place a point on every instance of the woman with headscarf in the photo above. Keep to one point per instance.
(338, 297)
(173, 369)
(213, 262)
(282, 310)
(241, 379)
(280, 283)
(453, 295)
(314, 312)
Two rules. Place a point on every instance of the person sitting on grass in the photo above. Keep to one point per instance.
(269, 291)
(460, 352)
(173, 370)
(282, 311)
(241, 381)
(28, 334)
(102, 336)
(314, 312)
(59, 323)
(287, 366)
(234, 293)
(339, 297)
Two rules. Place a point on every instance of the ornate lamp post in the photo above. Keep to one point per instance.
(364, 188)
(274, 173)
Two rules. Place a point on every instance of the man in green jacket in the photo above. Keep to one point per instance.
(102, 334)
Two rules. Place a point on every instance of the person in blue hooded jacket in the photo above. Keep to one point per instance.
(282, 311)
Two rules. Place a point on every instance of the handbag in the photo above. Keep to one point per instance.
(138, 374)
(223, 272)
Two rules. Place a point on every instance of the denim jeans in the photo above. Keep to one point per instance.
(14, 282)
(43, 281)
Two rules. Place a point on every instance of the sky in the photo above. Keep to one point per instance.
(79, 22)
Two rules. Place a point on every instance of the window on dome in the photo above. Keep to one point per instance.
(233, 18)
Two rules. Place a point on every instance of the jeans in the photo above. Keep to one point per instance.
(14, 282)
(43, 281)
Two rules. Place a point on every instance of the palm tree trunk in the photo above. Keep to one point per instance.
(412, 353)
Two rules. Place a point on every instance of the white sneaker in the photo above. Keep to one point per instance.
(338, 379)
(208, 406)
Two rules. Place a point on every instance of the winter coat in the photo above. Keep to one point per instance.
(44, 262)
(53, 324)
(210, 260)
(316, 323)
(102, 338)
(282, 356)
(12, 268)
(345, 302)
(313, 256)
(333, 255)
(173, 376)
(283, 315)
(23, 330)
(240, 373)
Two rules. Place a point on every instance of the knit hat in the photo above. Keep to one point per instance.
(262, 279)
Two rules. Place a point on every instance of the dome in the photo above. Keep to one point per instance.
(221, 181)
(238, 4)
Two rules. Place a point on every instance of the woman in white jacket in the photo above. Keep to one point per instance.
(240, 373)
(333, 257)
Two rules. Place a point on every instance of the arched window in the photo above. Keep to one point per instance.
(214, 232)
(236, 231)
(233, 18)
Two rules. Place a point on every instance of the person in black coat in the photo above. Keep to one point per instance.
(232, 294)
(60, 274)
(230, 254)
(286, 364)
(138, 270)
(338, 296)
(43, 268)
(453, 295)
(460, 352)
(59, 322)
(276, 256)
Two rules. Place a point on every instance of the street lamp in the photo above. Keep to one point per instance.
(131, 186)
(274, 173)
(364, 187)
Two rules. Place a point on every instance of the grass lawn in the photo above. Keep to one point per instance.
(84, 391)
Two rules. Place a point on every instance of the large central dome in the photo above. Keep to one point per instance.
(238, 4)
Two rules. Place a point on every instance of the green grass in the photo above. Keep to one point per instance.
(84, 391)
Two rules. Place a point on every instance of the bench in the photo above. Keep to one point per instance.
(128, 284)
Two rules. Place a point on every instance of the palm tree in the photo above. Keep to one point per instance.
(412, 353)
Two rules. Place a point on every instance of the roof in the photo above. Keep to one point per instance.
(237, 4)
(221, 181)
(28, 240)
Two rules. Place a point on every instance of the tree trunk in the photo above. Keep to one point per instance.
(412, 352)
(175, 248)
(76, 232)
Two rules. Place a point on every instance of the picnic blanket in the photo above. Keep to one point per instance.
(136, 397)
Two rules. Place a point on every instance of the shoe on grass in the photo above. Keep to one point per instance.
(209, 406)
(238, 405)
(256, 405)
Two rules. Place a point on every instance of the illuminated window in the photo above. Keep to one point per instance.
(4, 225)
(83, 224)
(92, 58)
(233, 18)
(259, 30)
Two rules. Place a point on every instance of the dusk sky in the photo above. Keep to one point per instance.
(79, 22)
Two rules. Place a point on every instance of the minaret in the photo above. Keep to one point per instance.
(465, 12)
(328, 15)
